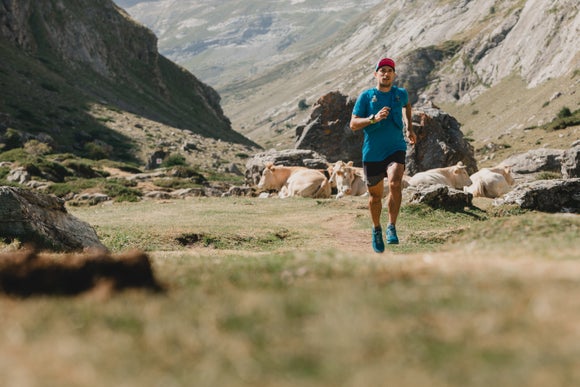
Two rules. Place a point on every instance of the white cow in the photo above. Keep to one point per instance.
(455, 176)
(294, 181)
(308, 183)
(349, 180)
(274, 177)
(491, 182)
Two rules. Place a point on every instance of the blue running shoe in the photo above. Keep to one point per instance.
(378, 244)
(392, 238)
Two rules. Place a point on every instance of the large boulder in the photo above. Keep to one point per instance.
(535, 160)
(440, 196)
(440, 142)
(562, 195)
(571, 163)
(43, 221)
(328, 132)
(287, 157)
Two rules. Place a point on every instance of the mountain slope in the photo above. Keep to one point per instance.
(60, 58)
(232, 40)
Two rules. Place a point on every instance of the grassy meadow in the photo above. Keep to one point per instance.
(270, 292)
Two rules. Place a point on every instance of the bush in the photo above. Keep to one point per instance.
(564, 112)
(173, 160)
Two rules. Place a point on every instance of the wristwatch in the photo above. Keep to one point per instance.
(372, 119)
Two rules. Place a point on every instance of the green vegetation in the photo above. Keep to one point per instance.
(565, 118)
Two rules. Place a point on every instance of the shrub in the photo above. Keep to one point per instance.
(37, 148)
(564, 112)
(173, 160)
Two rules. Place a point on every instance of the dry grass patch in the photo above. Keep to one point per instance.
(318, 308)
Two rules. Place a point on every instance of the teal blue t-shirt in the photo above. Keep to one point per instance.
(383, 138)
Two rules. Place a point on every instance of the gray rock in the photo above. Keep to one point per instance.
(561, 195)
(287, 157)
(571, 163)
(43, 221)
(441, 196)
(536, 160)
(440, 142)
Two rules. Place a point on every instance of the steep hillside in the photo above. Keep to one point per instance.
(61, 58)
(233, 40)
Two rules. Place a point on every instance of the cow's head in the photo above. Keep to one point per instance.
(460, 176)
(267, 179)
(343, 176)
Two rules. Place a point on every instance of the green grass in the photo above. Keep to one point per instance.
(289, 293)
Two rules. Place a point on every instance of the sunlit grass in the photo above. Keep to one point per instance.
(469, 299)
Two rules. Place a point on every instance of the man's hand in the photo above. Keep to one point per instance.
(412, 136)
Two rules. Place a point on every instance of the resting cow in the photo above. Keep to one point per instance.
(349, 180)
(294, 181)
(308, 183)
(274, 177)
(490, 182)
(455, 176)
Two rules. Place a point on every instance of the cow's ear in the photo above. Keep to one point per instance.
(350, 163)
(269, 164)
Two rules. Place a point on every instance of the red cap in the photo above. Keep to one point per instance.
(385, 62)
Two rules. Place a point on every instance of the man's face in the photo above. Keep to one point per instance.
(385, 75)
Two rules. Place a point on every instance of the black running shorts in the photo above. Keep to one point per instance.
(375, 171)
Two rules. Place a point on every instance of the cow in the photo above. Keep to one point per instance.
(294, 181)
(350, 180)
(274, 177)
(454, 176)
(308, 183)
(490, 182)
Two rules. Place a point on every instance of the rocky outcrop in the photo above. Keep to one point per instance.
(546, 195)
(43, 221)
(288, 157)
(571, 163)
(440, 196)
(440, 142)
(535, 160)
(327, 131)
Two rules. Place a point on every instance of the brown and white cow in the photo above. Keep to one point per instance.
(274, 177)
(455, 176)
(491, 182)
(294, 181)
